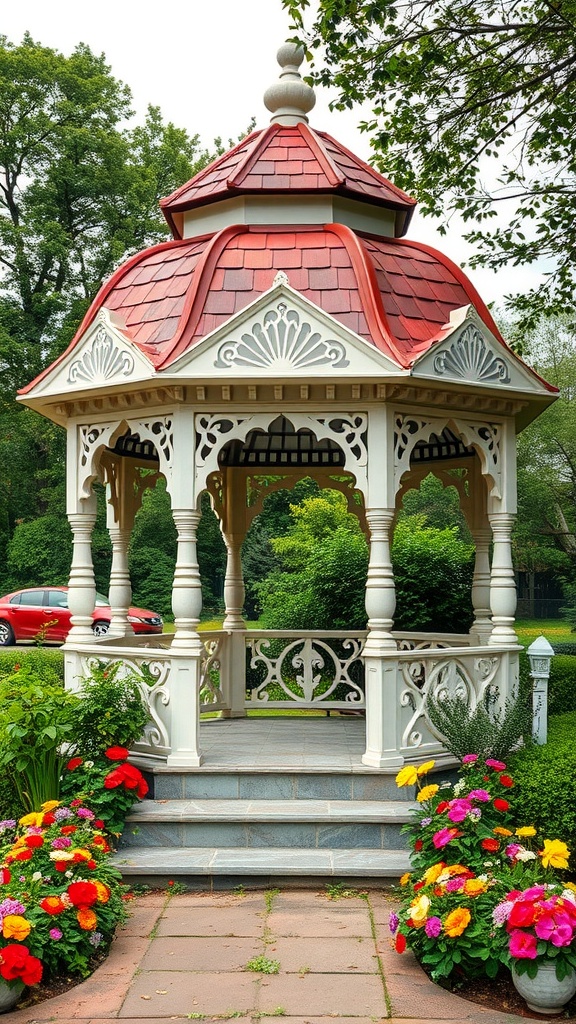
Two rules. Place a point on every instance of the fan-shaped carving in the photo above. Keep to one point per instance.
(470, 358)
(284, 342)
(103, 360)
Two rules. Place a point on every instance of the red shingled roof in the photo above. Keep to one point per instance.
(394, 293)
(286, 159)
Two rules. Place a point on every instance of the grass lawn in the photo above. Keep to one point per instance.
(555, 630)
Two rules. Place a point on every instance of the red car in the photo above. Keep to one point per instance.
(42, 613)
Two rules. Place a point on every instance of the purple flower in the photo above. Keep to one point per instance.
(55, 934)
(10, 906)
(480, 794)
(393, 922)
(62, 812)
(501, 913)
(95, 938)
(455, 884)
(7, 823)
(425, 822)
(83, 812)
(433, 927)
(61, 842)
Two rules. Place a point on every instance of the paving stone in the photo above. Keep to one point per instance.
(345, 956)
(165, 993)
(324, 994)
(324, 923)
(171, 953)
(226, 920)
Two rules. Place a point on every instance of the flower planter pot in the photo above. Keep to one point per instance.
(544, 993)
(9, 994)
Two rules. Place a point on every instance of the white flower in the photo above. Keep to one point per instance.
(37, 876)
(459, 787)
(525, 855)
(482, 878)
(69, 874)
(567, 894)
(88, 764)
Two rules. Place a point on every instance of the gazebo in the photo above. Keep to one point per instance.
(290, 329)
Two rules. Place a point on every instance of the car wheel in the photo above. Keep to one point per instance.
(100, 628)
(6, 634)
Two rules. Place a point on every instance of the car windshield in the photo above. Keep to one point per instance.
(101, 601)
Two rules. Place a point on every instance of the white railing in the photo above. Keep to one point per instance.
(310, 669)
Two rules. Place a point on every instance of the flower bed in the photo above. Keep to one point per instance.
(484, 896)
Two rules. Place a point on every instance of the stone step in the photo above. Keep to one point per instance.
(302, 783)
(310, 824)
(211, 867)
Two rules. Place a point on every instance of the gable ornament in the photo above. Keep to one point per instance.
(470, 359)
(103, 360)
(281, 341)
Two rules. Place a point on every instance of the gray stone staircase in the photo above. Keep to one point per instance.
(212, 829)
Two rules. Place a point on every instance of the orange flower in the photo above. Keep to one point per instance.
(457, 922)
(87, 919)
(474, 887)
(103, 891)
(500, 831)
(15, 927)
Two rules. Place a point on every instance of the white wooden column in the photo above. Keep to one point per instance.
(82, 585)
(502, 582)
(482, 625)
(233, 658)
(120, 590)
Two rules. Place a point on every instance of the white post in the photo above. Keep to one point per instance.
(120, 590)
(540, 654)
(187, 649)
(482, 625)
(502, 582)
(382, 711)
(82, 585)
(233, 660)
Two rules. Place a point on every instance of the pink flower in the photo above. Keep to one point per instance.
(480, 794)
(444, 836)
(455, 884)
(498, 766)
(433, 927)
(512, 850)
(458, 810)
(469, 758)
(555, 927)
(55, 934)
(523, 945)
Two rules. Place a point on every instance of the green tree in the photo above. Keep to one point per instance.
(433, 574)
(471, 111)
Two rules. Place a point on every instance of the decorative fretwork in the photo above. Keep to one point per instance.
(469, 358)
(158, 432)
(102, 361)
(89, 438)
(209, 684)
(306, 670)
(212, 431)
(152, 679)
(441, 675)
(428, 440)
(281, 342)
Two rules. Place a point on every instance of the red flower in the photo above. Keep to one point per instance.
(91, 864)
(23, 855)
(67, 830)
(48, 818)
(128, 776)
(16, 962)
(505, 780)
(62, 865)
(501, 805)
(5, 876)
(400, 942)
(53, 905)
(442, 806)
(492, 845)
(34, 841)
(142, 788)
(419, 885)
(74, 762)
(98, 823)
(522, 915)
(82, 894)
(117, 753)
(418, 845)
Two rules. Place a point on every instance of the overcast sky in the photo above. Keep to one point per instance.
(206, 64)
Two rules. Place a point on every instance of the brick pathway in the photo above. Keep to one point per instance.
(184, 958)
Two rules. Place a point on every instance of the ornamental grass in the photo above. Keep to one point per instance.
(483, 895)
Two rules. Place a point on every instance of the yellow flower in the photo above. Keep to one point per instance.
(456, 869)
(419, 911)
(525, 831)
(61, 855)
(49, 805)
(34, 818)
(500, 831)
(427, 792)
(15, 927)
(79, 853)
(570, 885)
(426, 767)
(474, 887)
(407, 776)
(457, 921)
(405, 878)
(103, 891)
(433, 874)
(555, 854)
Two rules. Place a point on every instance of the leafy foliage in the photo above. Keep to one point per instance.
(544, 777)
(471, 110)
(433, 576)
(488, 732)
(111, 709)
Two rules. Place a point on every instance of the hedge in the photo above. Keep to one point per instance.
(546, 780)
(562, 683)
(46, 662)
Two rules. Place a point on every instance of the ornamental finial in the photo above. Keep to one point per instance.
(289, 99)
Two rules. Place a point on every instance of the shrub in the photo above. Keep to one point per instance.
(46, 663)
(561, 685)
(487, 732)
(35, 720)
(111, 709)
(546, 777)
(433, 576)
